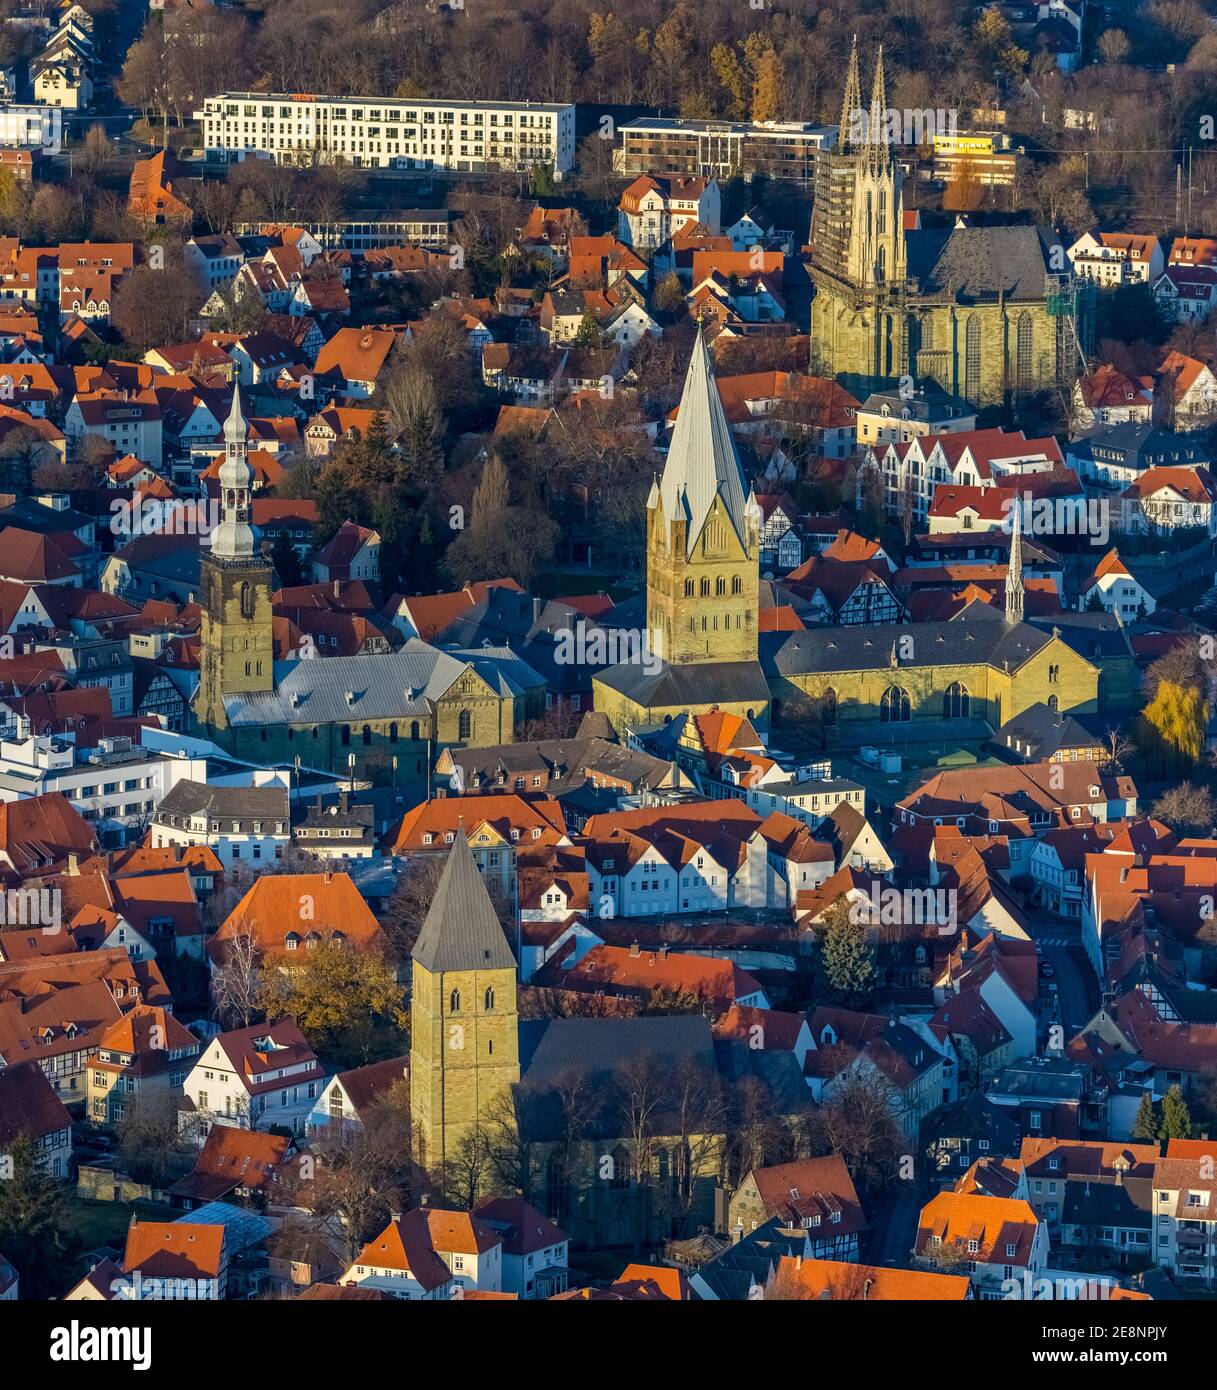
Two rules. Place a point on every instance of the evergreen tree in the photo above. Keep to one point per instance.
(419, 453)
(587, 335)
(846, 962)
(32, 1211)
(1176, 1117)
(1145, 1125)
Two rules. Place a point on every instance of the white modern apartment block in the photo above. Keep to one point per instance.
(114, 785)
(32, 128)
(376, 132)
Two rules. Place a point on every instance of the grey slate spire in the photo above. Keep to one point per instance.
(1014, 570)
(462, 931)
(702, 462)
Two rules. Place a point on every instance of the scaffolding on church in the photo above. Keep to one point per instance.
(1070, 302)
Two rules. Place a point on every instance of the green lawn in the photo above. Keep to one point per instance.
(105, 1223)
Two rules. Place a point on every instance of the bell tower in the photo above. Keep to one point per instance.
(236, 636)
(703, 536)
(464, 1023)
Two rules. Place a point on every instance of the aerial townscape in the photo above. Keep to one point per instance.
(608, 657)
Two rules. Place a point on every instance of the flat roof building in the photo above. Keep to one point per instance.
(718, 149)
(380, 132)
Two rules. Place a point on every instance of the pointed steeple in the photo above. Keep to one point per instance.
(233, 538)
(702, 463)
(1014, 570)
(851, 103)
(234, 426)
(877, 150)
(462, 930)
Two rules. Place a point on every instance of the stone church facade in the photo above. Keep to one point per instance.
(989, 313)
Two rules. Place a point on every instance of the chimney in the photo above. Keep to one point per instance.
(635, 949)
(663, 952)
(337, 588)
(395, 1217)
(343, 797)
(536, 610)
(866, 1288)
(329, 875)
(73, 863)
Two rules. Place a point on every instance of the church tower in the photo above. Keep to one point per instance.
(859, 255)
(236, 638)
(876, 244)
(464, 1024)
(703, 536)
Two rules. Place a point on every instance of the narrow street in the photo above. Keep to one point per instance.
(1077, 990)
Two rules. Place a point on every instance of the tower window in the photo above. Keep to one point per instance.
(489, 999)
(688, 588)
(247, 599)
(414, 730)
(367, 735)
(737, 584)
(454, 1002)
(720, 586)
(705, 588)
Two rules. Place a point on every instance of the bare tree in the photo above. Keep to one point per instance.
(237, 984)
(861, 1122)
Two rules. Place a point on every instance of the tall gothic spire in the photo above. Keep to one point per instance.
(1014, 570)
(877, 132)
(851, 103)
(702, 463)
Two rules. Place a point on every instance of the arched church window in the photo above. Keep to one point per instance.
(895, 706)
(971, 374)
(956, 702)
(1023, 354)
(465, 724)
(688, 588)
(454, 1002)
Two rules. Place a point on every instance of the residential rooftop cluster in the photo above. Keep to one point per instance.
(603, 701)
